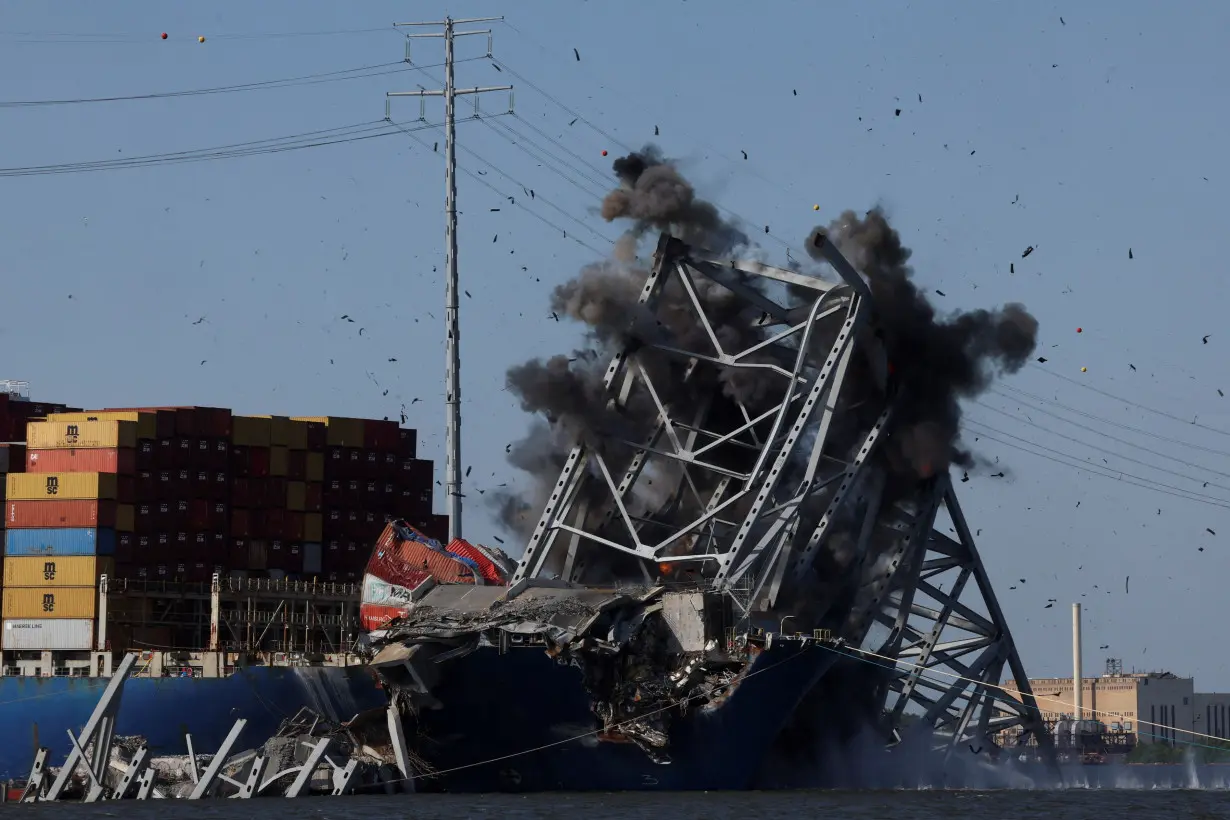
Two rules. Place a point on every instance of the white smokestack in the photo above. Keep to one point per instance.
(1077, 680)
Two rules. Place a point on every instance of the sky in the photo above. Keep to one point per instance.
(1082, 135)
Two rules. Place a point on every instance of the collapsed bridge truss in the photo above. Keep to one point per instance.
(789, 492)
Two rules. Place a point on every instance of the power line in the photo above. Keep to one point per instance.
(1001, 387)
(1076, 440)
(285, 82)
(503, 195)
(1138, 405)
(90, 38)
(293, 142)
(1105, 472)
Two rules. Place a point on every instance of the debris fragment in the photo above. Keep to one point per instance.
(1205, 339)
(1209, 531)
(1028, 251)
(897, 113)
(578, 54)
(1130, 253)
(1042, 360)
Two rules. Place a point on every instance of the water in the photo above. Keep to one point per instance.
(1070, 804)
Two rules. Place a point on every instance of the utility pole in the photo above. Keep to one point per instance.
(452, 377)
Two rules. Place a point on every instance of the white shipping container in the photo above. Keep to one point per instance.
(48, 633)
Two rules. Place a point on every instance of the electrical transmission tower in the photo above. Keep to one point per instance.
(452, 379)
(786, 500)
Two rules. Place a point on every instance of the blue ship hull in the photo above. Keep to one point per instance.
(522, 722)
(37, 711)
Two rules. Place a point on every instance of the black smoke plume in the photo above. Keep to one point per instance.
(933, 361)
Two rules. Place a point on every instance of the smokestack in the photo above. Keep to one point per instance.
(1077, 680)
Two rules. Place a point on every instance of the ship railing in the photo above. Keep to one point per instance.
(337, 589)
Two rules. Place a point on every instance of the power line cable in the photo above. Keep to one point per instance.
(1105, 472)
(1110, 452)
(1136, 404)
(501, 194)
(294, 142)
(362, 72)
(91, 38)
(1024, 404)
(616, 141)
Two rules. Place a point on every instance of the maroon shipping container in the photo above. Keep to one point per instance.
(121, 460)
(317, 435)
(53, 514)
(241, 523)
(380, 435)
(125, 548)
(12, 456)
(164, 419)
(314, 497)
(407, 442)
(296, 465)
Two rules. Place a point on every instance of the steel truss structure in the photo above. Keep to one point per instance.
(790, 493)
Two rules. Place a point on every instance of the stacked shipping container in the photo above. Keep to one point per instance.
(179, 493)
(62, 530)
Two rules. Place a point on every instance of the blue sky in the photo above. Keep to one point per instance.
(1082, 138)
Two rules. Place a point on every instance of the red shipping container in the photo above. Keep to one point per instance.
(198, 514)
(122, 461)
(259, 462)
(407, 442)
(241, 523)
(314, 497)
(296, 465)
(293, 528)
(52, 514)
(317, 435)
(380, 435)
(274, 524)
(275, 492)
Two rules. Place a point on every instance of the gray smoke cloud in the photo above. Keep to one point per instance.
(935, 361)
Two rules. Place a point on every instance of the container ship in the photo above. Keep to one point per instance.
(229, 550)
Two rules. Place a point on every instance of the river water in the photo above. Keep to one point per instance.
(1070, 804)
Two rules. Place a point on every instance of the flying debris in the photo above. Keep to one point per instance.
(1205, 339)
(1028, 251)
(1011, 267)
(655, 131)
(1130, 253)
(1084, 369)
(578, 54)
(897, 113)
(1080, 330)
(164, 35)
(815, 207)
(1044, 360)
(744, 153)
(1209, 531)
(604, 152)
(201, 39)
(1132, 366)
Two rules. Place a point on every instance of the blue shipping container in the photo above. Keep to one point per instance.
(67, 541)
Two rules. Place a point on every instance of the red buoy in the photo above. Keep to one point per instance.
(164, 35)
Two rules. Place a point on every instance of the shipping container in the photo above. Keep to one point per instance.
(64, 435)
(251, 431)
(313, 527)
(59, 542)
(47, 571)
(38, 634)
(40, 514)
(339, 431)
(147, 423)
(312, 551)
(122, 461)
(279, 461)
(64, 486)
(62, 602)
(164, 418)
(258, 555)
(296, 496)
(12, 456)
(315, 466)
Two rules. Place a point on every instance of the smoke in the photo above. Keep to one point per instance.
(933, 361)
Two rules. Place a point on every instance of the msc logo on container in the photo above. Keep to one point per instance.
(71, 433)
(53, 484)
(49, 602)
(49, 570)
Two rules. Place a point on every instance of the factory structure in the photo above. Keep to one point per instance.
(1116, 710)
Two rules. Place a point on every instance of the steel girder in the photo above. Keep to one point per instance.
(742, 476)
(951, 645)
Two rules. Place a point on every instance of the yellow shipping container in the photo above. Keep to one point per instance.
(315, 466)
(48, 571)
(61, 486)
(64, 435)
(251, 431)
(313, 525)
(279, 460)
(147, 423)
(341, 432)
(296, 496)
(125, 518)
(287, 432)
(62, 602)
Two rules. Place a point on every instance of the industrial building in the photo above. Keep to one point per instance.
(1137, 707)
